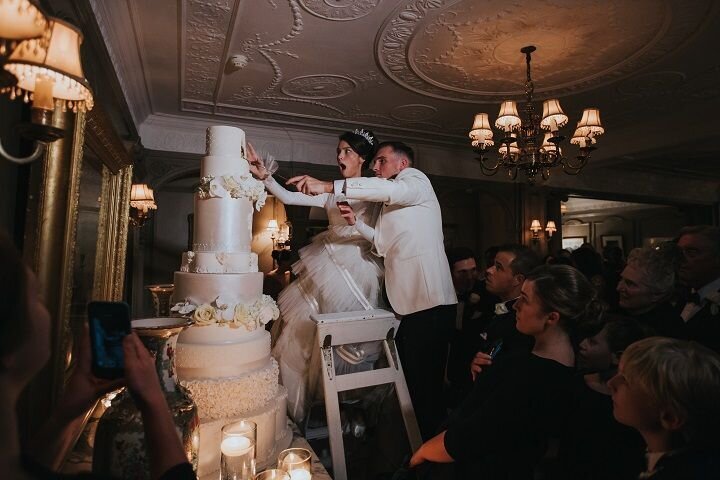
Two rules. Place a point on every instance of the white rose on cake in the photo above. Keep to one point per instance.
(242, 316)
(204, 314)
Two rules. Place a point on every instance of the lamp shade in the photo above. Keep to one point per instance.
(59, 62)
(553, 116)
(20, 20)
(551, 228)
(142, 197)
(535, 226)
(591, 121)
(508, 118)
(481, 132)
(273, 226)
(140, 191)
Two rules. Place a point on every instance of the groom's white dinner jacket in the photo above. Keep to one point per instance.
(408, 234)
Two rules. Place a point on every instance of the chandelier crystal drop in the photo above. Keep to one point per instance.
(531, 143)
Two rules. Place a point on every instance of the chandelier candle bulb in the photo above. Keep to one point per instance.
(44, 93)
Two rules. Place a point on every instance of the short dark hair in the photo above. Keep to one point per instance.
(361, 145)
(401, 149)
(525, 259)
(14, 322)
(455, 254)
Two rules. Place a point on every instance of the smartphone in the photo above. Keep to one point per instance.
(497, 346)
(109, 323)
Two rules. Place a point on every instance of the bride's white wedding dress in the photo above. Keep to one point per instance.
(335, 273)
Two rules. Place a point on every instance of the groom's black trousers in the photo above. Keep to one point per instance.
(422, 341)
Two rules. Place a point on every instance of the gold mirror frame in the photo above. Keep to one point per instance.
(51, 237)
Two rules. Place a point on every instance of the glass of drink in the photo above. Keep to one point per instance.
(237, 451)
(297, 462)
(273, 474)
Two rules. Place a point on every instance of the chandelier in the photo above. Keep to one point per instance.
(532, 143)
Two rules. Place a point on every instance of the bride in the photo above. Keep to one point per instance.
(335, 273)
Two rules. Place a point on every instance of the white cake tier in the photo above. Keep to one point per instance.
(220, 165)
(273, 435)
(223, 140)
(219, 262)
(200, 288)
(222, 224)
(234, 396)
(217, 351)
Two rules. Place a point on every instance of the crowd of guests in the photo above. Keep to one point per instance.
(584, 365)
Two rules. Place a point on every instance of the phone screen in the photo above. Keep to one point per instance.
(109, 323)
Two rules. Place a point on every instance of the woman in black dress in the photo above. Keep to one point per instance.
(505, 427)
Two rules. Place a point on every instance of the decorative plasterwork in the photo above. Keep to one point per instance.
(319, 86)
(206, 25)
(339, 9)
(469, 51)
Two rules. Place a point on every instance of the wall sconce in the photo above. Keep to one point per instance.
(535, 228)
(142, 201)
(47, 69)
(550, 228)
(273, 228)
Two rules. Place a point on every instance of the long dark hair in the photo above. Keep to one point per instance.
(363, 142)
(14, 325)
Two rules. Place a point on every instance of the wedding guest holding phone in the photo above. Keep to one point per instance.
(335, 273)
(25, 348)
(503, 429)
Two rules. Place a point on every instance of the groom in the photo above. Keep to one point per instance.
(408, 234)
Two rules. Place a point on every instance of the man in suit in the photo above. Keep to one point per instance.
(505, 278)
(473, 310)
(408, 234)
(699, 270)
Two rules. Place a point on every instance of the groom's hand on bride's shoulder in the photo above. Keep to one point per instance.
(310, 186)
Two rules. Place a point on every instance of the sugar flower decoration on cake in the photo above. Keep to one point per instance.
(204, 315)
(233, 186)
(225, 311)
(183, 308)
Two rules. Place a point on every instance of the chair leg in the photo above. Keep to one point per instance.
(332, 410)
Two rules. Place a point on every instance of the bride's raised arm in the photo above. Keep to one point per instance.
(258, 170)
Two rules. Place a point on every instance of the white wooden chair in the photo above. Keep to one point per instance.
(335, 329)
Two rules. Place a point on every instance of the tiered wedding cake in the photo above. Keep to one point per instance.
(224, 358)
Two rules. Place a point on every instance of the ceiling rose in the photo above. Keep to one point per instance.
(467, 50)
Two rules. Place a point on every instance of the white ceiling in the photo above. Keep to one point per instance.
(420, 69)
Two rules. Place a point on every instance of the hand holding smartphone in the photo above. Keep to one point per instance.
(109, 323)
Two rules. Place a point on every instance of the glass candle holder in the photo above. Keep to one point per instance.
(297, 462)
(237, 450)
(273, 474)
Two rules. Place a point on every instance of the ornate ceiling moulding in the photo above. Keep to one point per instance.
(205, 24)
(466, 50)
(319, 86)
(339, 10)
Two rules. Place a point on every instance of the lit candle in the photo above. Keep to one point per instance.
(553, 125)
(300, 475)
(235, 446)
(43, 95)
